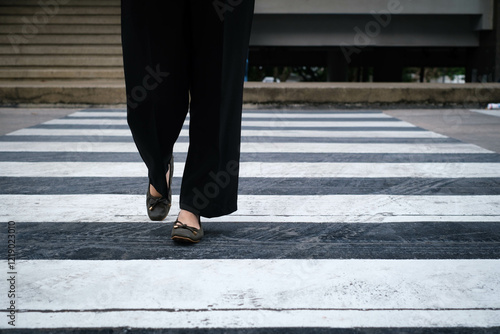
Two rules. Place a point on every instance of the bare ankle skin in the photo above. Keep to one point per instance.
(188, 218)
(153, 191)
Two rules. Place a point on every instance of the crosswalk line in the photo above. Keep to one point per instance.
(257, 147)
(261, 169)
(278, 123)
(249, 114)
(259, 293)
(484, 321)
(334, 208)
(245, 292)
(245, 133)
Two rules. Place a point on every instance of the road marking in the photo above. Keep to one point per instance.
(256, 148)
(260, 293)
(278, 123)
(244, 133)
(295, 208)
(246, 114)
(261, 169)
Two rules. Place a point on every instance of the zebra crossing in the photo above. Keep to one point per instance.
(347, 220)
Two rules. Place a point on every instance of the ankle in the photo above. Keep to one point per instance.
(153, 191)
(189, 218)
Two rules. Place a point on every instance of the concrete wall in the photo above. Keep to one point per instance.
(423, 23)
(385, 35)
(81, 38)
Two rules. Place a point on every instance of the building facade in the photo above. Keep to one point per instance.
(384, 35)
(80, 39)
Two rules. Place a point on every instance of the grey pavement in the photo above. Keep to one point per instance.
(12, 119)
(470, 126)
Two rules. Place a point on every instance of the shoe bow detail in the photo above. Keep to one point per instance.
(179, 224)
(153, 202)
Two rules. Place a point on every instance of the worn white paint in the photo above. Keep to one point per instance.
(278, 123)
(275, 208)
(264, 319)
(327, 114)
(369, 170)
(254, 147)
(375, 217)
(119, 113)
(272, 114)
(260, 169)
(79, 121)
(96, 133)
(258, 293)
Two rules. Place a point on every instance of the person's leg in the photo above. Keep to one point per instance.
(155, 40)
(220, 36)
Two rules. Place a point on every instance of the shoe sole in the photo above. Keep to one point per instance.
(157, 220)
(182, 239)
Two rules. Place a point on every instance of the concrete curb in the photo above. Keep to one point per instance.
(372, 93)
(102, 92)
(62, 92)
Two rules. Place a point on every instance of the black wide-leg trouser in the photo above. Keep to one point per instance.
(180, 55)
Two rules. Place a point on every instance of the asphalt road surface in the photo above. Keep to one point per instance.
(348, 222)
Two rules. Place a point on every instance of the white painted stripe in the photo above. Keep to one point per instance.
(246, 114)
(361, 148)
(244, 133)
(259, 147)
(370, 170)
(307, 209)
(259, 293)
(76, 121)
(285, 123)
(332, 115)
(380, 217)
(99, 114)
(260, 169)
(272, 123)
(72, 132)
(264, 319)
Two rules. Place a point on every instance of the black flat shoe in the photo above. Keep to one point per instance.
(158, 207)
(182, 232)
